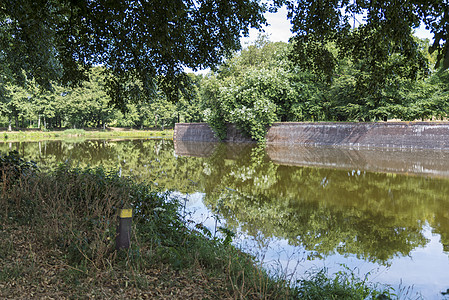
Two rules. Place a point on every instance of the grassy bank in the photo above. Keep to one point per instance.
(33, 135)
(58, 240)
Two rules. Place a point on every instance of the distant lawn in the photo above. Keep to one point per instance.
(34, 134)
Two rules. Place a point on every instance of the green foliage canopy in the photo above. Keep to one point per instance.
(152, 41)
(385, 30)
(253, 89)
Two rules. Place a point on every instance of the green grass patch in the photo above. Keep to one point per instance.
(35, 135)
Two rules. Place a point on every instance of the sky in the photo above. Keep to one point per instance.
(279, 28)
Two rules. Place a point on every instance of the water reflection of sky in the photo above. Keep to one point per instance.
(425, 272)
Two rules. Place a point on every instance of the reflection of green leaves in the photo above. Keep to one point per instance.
(372, 215)
(375, 216)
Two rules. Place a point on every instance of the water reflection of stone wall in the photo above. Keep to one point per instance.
(414, 161)
(404, 161)
(206, 149)
(416, 135)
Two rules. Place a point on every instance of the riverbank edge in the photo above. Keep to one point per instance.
(36, 135)
(389, 135)
(58, 235)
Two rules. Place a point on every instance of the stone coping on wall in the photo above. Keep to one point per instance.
(412, 135)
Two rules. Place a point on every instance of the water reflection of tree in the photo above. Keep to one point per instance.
(147, 160)
(373, 215)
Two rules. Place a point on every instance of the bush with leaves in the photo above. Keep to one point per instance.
(12, 166)
(252, 90)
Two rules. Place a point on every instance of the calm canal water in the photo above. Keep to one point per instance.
(381, 213)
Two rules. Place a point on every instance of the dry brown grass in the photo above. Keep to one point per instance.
(33, 270)
(58, 241)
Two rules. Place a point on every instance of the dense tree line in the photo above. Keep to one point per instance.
(257, 86)
(89, 105)
(262, 84)
(330, 70)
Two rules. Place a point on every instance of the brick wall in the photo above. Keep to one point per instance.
(416, 135)
(201, 132)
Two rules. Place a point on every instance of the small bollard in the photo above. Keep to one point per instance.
(122, 239)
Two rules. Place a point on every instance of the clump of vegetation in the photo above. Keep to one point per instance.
(60, 227)
(320, 285)
(12, 167)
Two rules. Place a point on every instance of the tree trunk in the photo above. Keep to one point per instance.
(9, 126)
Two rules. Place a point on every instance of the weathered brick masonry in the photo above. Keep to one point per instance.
(415, 135)
(201, 132)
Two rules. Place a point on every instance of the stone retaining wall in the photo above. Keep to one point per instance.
(415, 135)
(201, 132)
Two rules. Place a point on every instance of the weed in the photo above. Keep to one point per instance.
(11, 273)
(343, 285)
(6, 248)
(74, 275)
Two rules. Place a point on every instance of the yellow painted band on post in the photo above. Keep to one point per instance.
(126, 213)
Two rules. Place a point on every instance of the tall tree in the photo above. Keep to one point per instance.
(145, 40)
(257, 87)
(385, 30)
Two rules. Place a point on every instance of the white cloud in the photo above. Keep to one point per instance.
(278, 29)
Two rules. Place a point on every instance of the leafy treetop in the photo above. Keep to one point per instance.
(385, 30)
(144, 41)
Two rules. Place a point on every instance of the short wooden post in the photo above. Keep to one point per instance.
(123, 238)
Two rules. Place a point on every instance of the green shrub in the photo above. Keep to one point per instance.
(346, 284)
(12, 166)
